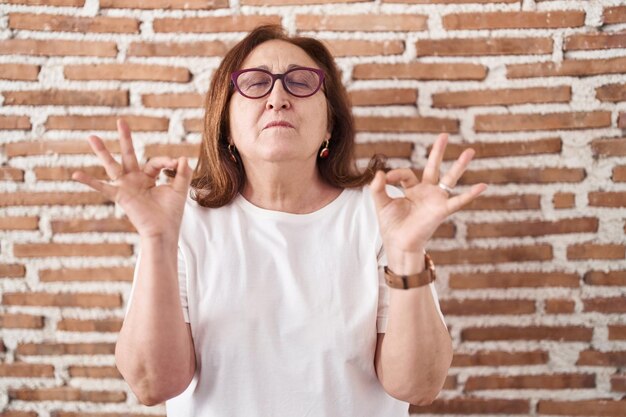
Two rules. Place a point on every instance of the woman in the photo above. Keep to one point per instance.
(264, 292)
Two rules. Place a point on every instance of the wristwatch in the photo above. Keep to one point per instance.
(405, 282)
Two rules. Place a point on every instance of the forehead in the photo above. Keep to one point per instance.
(277, 55)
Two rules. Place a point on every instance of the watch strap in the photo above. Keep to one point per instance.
(411, 281)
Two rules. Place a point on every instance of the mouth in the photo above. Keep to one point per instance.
(279, 124)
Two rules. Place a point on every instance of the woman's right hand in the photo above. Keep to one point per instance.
(155, 211)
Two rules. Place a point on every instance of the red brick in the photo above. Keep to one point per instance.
(403, 124)
(559, 306)
(173, 100)
(19, 72)
(107, 225)
(35, 250)
(502, 97)
(94, 372)
(615, 14)
(618, 383)
(57, 147)
(607, 199)
(483, 46)
(469, 307)
(541, 252)
(292, 2)
(362, 22)
(605, 305)
(29, 198)
(11, 174)
(590, 41)
(26, 370)
(480, 280)
(101, 326)
(68, 3)
(420, 71)
(106, 98)
(590, 357)
(446, 1)
(505, 202)
(558, 333)
(617, 332)
(599, 407)
(164, 4)
(611, 92)
(54, 349)
(65, 173)
(238, 23)
(47, 47)
(532, 228)
(178, 49)
(358, 47)
(564, 200)
(20, 321)
(595, 251)
(15, 413)
(609, 146)
(136, 123)
(569, 67)
(12, 271)
(122, 274)
(500, 358)
(523, 175)
(61, 23)
(15, 123)
(514, 20)
(390, 149)
(127, 72)
(543, 382)
(619, 173)
(551, 121)
(383, 97)
(611, 278)
(621, 120)
(474, 406)
(66, 394)
(173, 150)
(84, 300)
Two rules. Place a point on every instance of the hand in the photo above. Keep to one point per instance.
(154, 211)
(406, 224)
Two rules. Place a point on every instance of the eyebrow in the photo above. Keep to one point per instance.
(265, 67)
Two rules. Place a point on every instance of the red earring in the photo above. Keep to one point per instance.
(324, 152)
(232, 155)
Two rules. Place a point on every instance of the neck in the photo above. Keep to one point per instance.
(287, 186)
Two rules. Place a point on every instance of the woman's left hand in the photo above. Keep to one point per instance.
(406, 224)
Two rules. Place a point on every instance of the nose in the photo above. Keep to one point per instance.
(278, 97)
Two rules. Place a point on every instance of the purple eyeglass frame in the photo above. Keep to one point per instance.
(236, 74)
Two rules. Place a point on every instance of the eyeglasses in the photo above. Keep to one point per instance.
(256, 83)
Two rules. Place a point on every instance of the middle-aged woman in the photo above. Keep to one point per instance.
(287, 283)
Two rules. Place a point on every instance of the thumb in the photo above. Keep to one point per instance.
(379, 194)
(183, 176)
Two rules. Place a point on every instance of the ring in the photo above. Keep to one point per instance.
(445, 187)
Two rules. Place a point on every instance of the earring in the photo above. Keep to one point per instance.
(324, 152)
(232, 155)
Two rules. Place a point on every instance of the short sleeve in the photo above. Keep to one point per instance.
(182, 283)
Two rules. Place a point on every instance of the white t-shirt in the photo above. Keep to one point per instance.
(284, 310)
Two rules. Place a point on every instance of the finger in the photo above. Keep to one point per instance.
(405, 176)
(458, 168)
(379, 194)
(129, 159)
(154, 165)
(101, 186)
(111, 166)
(183, 176)
(431, 170)
(457, 202)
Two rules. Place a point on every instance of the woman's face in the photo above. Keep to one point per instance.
(249, 117)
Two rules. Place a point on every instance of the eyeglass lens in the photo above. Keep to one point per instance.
(299, 82)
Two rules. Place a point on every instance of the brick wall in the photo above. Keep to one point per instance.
(532, 275)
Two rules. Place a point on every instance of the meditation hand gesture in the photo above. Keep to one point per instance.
(155, 211)
(407, 223)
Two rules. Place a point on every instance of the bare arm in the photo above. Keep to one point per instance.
(154, 351)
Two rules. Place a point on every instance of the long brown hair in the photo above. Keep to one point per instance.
(217, 178)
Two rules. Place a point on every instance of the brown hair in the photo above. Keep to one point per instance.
(217, 178)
